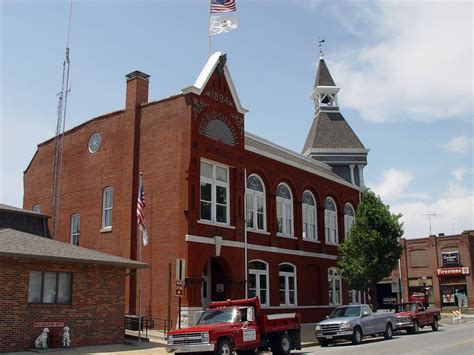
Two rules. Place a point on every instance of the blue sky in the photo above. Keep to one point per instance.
(405, 72)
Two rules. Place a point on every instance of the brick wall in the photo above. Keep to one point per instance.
(94, 317)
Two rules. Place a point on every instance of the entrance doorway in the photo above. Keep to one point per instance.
(216, 273)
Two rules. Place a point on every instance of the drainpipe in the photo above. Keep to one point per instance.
(245, 235)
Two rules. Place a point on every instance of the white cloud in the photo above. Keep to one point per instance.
(459, 144)
(454, 209)
(415, 62)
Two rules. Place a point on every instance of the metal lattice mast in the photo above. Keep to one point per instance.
(59, 137)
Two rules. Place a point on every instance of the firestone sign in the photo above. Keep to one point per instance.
(453, 271)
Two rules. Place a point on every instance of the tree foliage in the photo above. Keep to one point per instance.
(372, 249)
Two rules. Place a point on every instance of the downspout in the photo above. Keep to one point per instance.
(245, 235)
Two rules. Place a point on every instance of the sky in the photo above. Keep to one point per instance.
(405, 70)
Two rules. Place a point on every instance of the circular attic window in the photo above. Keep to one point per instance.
(94, 142)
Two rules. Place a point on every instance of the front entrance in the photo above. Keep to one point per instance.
(216, 281)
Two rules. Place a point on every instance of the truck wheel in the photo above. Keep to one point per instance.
(323, 343)
(224, 347)
(281, 345)
(415, 329)
(357, 336)
(388, 332)
(435, 325)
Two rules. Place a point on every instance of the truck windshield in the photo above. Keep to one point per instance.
(405, 307)
(222, 315)
(352, 311)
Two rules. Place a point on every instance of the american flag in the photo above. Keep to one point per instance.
(218, 6)
(141, 207)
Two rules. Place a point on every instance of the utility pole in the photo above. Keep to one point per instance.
(452, 228)
(429, 218)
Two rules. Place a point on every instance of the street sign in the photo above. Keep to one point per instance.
(180, 269)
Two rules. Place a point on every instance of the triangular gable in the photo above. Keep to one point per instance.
(205, 75)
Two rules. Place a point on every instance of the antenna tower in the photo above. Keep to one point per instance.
(59, 137)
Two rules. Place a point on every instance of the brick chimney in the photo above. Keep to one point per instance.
(137, 89)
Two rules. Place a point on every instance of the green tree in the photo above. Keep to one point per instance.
(372, 249)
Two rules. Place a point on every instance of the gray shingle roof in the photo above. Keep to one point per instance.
(19, 210)
(330, 130)
(323, 76)
(269, 149)
(19, 244)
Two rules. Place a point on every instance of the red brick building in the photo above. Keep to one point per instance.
(441, 265)
(51, 284)
(225, 200)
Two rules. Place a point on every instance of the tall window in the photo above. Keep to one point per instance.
(258, 281)
(334, 286)
(354, 296)
(255, 203)
(214, 193)
(50, 287)
(348, 219)
(284, 210)
(75, 228)
(309, 216)
(36, 209)
(107, 202)
(287, 274)
(330, 221)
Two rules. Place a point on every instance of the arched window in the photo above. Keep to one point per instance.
(284, 201)
(309, 216)
(330, 221)
(255, 203)
(349, 218)
(287, 276)
(258, 281)
(334, 286)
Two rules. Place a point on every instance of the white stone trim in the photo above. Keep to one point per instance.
(250, 230)
(205, 75)
(296, 165)
(257, 247)
(215, 224)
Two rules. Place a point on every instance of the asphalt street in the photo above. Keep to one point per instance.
(450, 339)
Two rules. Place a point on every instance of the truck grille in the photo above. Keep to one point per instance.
(328, 329)
(187, 338)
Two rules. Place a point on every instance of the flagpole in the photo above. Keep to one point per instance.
(209, 30)
(140, 237)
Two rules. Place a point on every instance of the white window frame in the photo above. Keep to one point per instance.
(335, 274)
(258, 287)
(307, 211)
(75, 233)
(255, 195)
(284, 202)
(330, 223)
(348, 220)
(355, 296)
(106, 209)
(36, 208)
(214, 183)
(287, 276)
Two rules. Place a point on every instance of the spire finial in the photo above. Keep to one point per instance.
(320, 42)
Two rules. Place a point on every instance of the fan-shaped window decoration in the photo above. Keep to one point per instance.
(348, 210)
(329, 205)
(254, 183)
(308, 199)
(283, 192)
(219, 131)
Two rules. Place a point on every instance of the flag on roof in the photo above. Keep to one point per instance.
(218, 6)
(222, 24)
(141, 214)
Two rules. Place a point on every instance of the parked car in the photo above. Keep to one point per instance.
(353, 323)
(413, 315)
(238, 326)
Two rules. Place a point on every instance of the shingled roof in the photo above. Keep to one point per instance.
(19, 244)
(330, 130)
(323, 76)
(14, 209)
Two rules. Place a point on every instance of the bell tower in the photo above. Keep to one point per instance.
(331, 140)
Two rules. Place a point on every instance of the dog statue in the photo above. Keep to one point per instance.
(42, 341)
(66, 338)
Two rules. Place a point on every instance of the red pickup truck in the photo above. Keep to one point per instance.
(413, 315)
(238, 326)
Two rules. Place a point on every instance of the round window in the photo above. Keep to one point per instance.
(94, 142)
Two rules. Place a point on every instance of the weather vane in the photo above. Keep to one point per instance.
(320, 42)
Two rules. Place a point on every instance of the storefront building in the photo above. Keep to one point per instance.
(438, 268)
(248, 216)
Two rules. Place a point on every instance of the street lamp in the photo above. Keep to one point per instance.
(424, 281)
